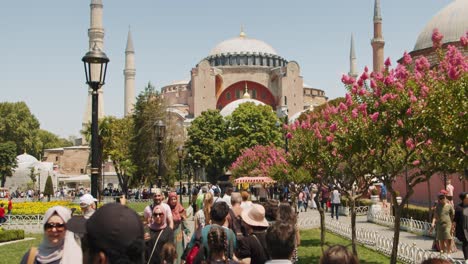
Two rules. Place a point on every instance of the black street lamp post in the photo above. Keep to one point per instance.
(160, 131)
(180, 153)
(95, 65)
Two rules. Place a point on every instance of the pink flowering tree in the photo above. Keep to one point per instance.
(267, 161)
(397, 101)
(309, 148)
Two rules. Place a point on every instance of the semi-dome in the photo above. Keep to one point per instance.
(452, 23)
(242, 44)
(229, 108)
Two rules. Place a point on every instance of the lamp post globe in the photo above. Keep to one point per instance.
(160, 132)
(95, 66)
(180, 154)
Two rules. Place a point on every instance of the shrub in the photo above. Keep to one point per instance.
(49, 188)
(39, 208)
(10, 235)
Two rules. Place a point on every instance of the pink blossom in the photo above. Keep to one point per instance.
(372, 152)
(288, 135)
(387, 62)
(428, 142)
(422, 64)
(410, 144)
(376, 104)
(317, 134)
(330, 138)
(345, 119)
(343, 107)
(366, 69)
(333, 127)
(373, 84)
(416, 162)
(360, 82)
(364, 76)
(401, 72)
(334, 151)
(464, 40)
(453, 73)
(407, 58)
(409, 112)
(349, 99)
(389, 80)
(413, 99)
(346, 79)
(400, 123)
(354, 89)
(436, 38)
(362, 92)
(354, 113)
(374, 116)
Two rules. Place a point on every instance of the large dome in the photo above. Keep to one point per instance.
(242, 44)
(452, 22)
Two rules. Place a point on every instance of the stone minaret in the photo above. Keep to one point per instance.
(377, 42)
(96, 37)
(129, 73)
(352, 60)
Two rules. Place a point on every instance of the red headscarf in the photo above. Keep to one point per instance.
(177, 209)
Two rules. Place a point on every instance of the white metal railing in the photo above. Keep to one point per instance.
(406, 253)
(407, 224)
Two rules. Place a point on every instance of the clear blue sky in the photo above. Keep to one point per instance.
(43, 43)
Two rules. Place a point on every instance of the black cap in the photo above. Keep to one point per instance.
(115, 227)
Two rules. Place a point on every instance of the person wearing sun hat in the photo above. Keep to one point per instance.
(252, 248)
(88, 205)
(442, 222)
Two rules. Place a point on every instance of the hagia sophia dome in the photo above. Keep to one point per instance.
(242, 44)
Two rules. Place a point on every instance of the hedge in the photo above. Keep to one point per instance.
(9, 235)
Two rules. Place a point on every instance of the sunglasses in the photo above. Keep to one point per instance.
(157, 214)
(58, 226)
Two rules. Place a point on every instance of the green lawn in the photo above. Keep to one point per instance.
(310, 251)
(12, 253)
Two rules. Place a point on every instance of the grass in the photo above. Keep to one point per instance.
(13, 253)
(309, 252)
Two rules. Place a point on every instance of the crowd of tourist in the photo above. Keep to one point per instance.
(227, 229)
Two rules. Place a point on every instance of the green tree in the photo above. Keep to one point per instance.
(8, 160)
(49, 140)
(49, 188)
(116, 134)
(205, 136)
(149, 108)
(19, 125)
(250, 125)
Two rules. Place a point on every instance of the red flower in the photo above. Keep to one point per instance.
(387, 62)
(374, 116)
(407, 58)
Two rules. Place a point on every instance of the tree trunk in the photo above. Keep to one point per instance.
(353, 225)
(429, 196)
(396, 232)
(322, 228)
(3, 180)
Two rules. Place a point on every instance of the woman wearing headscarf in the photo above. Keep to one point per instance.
(178, 216)
(160, 234)
(58, 245)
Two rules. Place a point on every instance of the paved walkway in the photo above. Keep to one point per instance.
(361, 222)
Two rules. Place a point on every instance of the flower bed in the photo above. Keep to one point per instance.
(39, 208)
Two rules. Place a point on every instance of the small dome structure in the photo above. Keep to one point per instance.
(242, 44)
(229, 108)
(26, 158)
(452, 23)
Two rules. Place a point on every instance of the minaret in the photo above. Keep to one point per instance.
(129, 73)
(352, 60)
(96, 37)
(377, 42)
